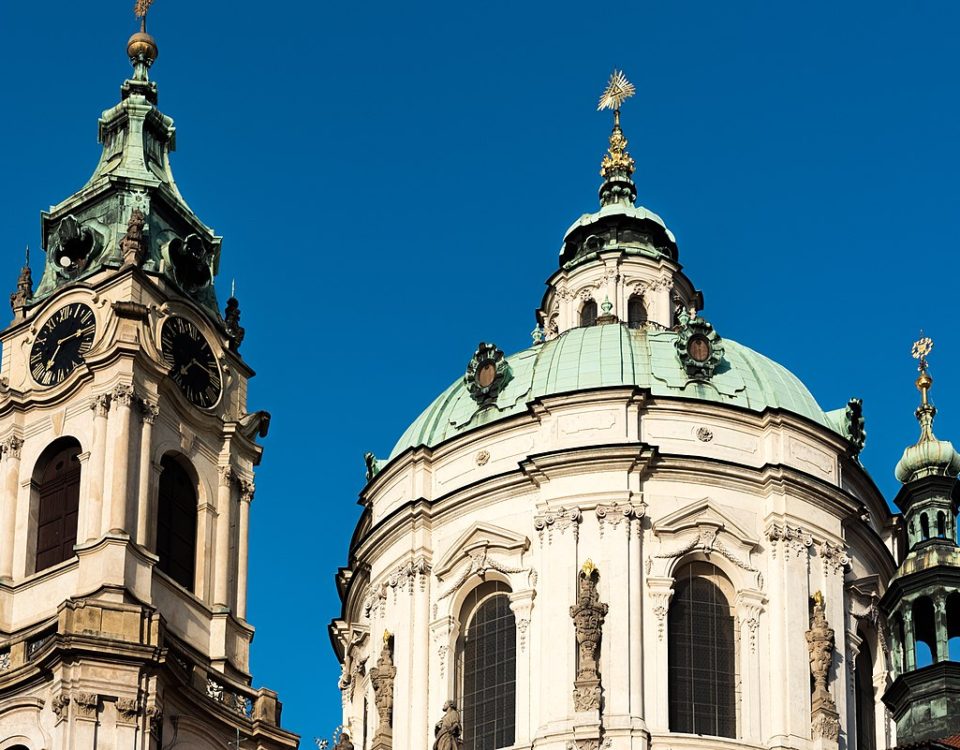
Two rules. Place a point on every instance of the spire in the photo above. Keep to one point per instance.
(929, 456)
(617, 165)
(142, 50)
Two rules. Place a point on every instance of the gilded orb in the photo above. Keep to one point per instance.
(142, 45)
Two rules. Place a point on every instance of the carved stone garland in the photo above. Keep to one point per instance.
(382, 678)
(588, 616)
(825, 723)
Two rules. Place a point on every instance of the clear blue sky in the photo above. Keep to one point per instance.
(393, 181)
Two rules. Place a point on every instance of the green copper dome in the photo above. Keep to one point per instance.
(609, 356)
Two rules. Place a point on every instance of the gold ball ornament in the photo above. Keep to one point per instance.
(142, 46)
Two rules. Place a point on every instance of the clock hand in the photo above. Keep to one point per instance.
(53, 356)
(74, 335)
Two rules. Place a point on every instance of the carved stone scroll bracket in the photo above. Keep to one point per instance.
(749, 607)
(521, 603)
(478, 564)
(660, 591)
(557, 521)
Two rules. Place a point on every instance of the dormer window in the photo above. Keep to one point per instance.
(636, 312)
(588, 313)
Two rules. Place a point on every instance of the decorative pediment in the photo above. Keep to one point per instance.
(705, 527)
(479, 540)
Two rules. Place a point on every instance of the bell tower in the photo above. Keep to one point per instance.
(127, 457)
(923, 599)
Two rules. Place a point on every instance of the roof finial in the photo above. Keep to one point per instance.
(926, 411)
(142, 48)
(233, 288)
(617, 165)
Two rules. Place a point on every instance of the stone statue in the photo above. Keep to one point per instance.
(343, 741)
(588, 616)
(231, 317)
(382, 678)
(448, 729)
(132, 245)
(825, 719)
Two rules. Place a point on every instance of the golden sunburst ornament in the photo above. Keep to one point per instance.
(618, 90)
(921, 348)
(142, 8)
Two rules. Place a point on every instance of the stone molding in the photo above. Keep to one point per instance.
(401, 578)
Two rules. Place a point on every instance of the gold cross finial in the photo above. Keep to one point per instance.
(925, 413)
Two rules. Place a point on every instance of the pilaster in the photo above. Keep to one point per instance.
(10, 449)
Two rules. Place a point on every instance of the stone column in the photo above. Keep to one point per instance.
(11, 450)
(247, 490)
(940, 626)
(221, 581)
(118, 498)
(418, 722)
(635, 629)
(145, 499)
(128, 722)
(98, 456)
(521, 603)
(910, 645)
(559, 533)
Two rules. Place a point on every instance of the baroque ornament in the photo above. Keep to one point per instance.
(382, 677)
(699, 347)
(825, 721)
(487, 374)
(588, 616)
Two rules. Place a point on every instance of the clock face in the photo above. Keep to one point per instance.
(61, 343)
(699, 349)
(193, 366)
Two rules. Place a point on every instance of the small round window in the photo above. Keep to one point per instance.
(486, 374)
(699, 349)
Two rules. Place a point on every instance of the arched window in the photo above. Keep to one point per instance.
(702, 653)
(57, 484)
(901, 638)
(177, 522)
(925, 632)
(866, 706)
(924, 527)
(636, 312)
(488, 668)
(941, 525)
(588, 313)
(953, 626)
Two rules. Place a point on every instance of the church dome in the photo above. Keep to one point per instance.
(607, 356)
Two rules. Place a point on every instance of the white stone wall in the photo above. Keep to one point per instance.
(640, 487)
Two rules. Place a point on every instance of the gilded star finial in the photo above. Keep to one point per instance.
(618, 90)
(142, 7)
(926, 411)
(588, 568)
(617, 162)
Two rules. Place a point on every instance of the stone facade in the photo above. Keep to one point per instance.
(102, 649)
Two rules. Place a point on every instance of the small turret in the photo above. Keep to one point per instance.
(922, 602)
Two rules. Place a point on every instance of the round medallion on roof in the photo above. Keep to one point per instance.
(487, 373)
(699, 347)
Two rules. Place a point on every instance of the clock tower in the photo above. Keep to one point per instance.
(127, 456)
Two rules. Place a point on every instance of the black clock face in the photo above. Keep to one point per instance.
(193, 366)
(61, 343)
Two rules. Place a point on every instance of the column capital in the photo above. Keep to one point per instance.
(149, 411)
(227, 475)
(247, 489)
(12, 447)
(100, 404)
(123, 395)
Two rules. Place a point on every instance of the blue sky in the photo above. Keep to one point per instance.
(393, 182)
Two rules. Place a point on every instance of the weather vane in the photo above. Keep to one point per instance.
(140, 10)
(921, 348)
